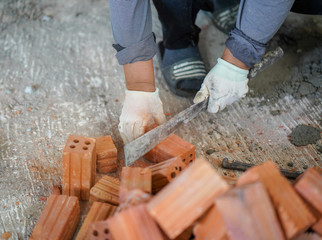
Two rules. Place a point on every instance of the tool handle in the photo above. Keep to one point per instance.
(236, 165)
(268, 59)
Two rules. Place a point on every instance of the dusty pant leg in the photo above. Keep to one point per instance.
(257, 22)
(178, 21)
(131, 22)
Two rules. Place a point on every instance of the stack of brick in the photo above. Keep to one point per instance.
(106, 155)
(173, 199)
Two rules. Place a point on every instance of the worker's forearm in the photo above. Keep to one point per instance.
(139, 76)
(229, 57)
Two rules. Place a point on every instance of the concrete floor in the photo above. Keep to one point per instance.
(59, 76)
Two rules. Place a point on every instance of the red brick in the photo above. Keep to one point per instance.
(105, 148)
(211, 226)
(135, 178)
(106, 190)
(98, 211)
(132, 224)
(106, 155)
(165, 172)
(186, 198)
(292, 211)
(309, 186)
(248, 213)
(107, 165)
(172, 146)
(132, 198)
(58, 220)
(79, 166)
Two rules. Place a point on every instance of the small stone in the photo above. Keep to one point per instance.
(290, 164)
(305, 166)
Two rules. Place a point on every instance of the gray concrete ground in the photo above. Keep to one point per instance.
(59, 76)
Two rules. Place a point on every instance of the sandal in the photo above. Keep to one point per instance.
(184, 77)
(224, 18)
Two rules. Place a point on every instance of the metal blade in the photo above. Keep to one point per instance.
(137, 148)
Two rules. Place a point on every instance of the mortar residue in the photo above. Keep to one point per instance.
(303, 135)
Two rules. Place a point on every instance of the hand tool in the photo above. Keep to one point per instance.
(236, 165)
(137, 148)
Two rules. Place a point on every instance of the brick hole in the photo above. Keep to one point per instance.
(176, 168)
(180, 169)
(87, 142)
(72, 146)
(173, 174)
(183, 160)
(76, 141)
(190, 161)
(190, 155)
(95, 233)
(106, 231)
(85, 148)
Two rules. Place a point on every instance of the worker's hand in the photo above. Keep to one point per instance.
(141, 112)
(224, 84)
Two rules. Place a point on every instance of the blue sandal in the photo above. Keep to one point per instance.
(184, 77)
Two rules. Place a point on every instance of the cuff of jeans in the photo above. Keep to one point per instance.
(141, 51)
(244, 48)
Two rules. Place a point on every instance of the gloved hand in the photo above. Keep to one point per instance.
(224, 84)
(140, 113)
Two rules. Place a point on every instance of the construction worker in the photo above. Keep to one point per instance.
(179, 57)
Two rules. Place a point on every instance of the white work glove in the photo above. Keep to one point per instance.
(141, 112)
(224, 84)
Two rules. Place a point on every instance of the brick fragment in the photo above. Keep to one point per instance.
(292, 211)
(172, 146)
(165, 172)
(107, 165)
(132, 198)
(211, 226)
(135, 178)
(106, 190)
(132, 224)
(105, 148)
(106, 155)
(248, 213)
(186, 198)
(58, 220)
(99, 211)
(309, 186)
(79, 166)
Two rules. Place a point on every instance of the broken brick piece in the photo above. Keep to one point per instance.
(165, 172)
(79, 166)
(172, 146)
(105, 148)
(59, 218)
(135, 178)
(132, 224)
(107, 165)
(106, 190)
(292, 211)
(248, 213)
(309, 186)
(186, 198)
(99, 211)
(211, 226)
(132, 198)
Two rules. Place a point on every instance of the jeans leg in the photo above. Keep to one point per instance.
(178, 22)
